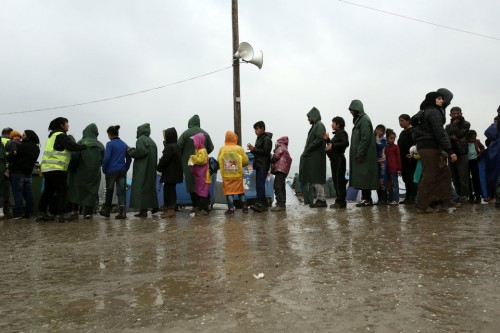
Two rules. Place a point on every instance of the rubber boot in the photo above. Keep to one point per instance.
(170, 213)
(122, 214)
(105, 211)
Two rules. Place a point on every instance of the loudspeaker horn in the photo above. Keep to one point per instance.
(245, 52)
(257, 60)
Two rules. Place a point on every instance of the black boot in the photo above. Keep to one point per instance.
(105, 211)
(122, 214)
(142, 213)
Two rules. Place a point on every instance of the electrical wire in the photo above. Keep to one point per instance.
(418, 20)
(120, 96)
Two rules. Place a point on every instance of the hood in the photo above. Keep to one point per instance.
(314, 115)
(231, 138)
(194, 121)
(91, 131)
(143, 129)
(283, 141)
(357, 105)
(170, 135)
(447, 96)
(199, 140)
(430, 100)
(269, 135)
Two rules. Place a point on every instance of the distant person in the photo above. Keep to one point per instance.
(280, 167)
(434, 148)
(492, 155)
(201, 174)
(363, 167)
(187, 149)
(393, 158)
(170, 167)
(115, 166)
(312, 168)
(21, 165)
(381, 144)
(14, 142)
(261, 163)
(458, 130)
(475, 151)
(54, 167)
(408, 164)
(87, 174)
(232, 159)
(145, 154)
(5, 175)
(335, 149)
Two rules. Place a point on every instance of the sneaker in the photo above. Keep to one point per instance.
(20, 217)
(337, 205)
(87, 217)
(278, 209)
(477, 201)
(365, 203)
(256, 208)
(245, 209)
(393, 203)
(319, 204)
(229, 211)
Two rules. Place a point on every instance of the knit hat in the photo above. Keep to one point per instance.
(15, 133)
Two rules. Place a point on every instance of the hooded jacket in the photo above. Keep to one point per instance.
(86, 178)
(170, 164)
(27, 154)
(145, 154)
(362, 175)
(199, 166)
(312, 167)
(458, 132)
(281, 160)
(232, 159)
(187, 148)
(262, 151)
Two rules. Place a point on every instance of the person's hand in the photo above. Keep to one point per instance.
(250, 146)
(453, 158)
(399, 173)
(408, 156)
(328, 147)
(326, 136)
(360, 159)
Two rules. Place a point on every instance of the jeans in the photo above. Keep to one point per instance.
(117, 178)
(393, 191)
(260, 185)
(230, 200)
(280, 189)
(22, 192)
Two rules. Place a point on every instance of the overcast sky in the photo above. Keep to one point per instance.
(316, 53)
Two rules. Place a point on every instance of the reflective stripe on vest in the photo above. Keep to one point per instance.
(54, 160)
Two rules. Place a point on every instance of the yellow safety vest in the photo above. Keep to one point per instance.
(4, 143)
(54, 160)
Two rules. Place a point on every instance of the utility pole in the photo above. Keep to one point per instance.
(236, 72)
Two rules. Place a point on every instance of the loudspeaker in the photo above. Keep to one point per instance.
(245, 53)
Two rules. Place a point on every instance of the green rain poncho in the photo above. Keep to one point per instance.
(312, 168)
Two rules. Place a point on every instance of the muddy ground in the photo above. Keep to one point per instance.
(379, 269)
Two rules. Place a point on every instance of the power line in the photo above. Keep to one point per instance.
(120, 96)
(421, 21)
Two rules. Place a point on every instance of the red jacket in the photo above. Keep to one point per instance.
(393, 158)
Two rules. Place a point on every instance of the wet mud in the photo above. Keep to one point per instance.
(377, 269)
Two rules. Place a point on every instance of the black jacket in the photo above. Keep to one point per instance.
(262, 151)
(23, 161)
(170, 164)
(430, 133)
(63, 141)
(340, 142)
(460, 131)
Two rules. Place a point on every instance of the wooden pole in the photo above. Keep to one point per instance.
(236, 72)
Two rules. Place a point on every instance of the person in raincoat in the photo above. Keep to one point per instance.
(187, 149)
(170, 166)
(145, 154)
(232, 158)
(280, 167)
(87, 174)
(363, 167)
(312, 168)
(201, 174)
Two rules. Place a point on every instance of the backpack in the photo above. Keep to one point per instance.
(417, 118)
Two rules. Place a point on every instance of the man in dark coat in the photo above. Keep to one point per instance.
(187, 149)
(408, 164)
(145, 154)
(363, 167)
(312, 168)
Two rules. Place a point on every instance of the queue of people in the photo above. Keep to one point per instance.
(438, 164)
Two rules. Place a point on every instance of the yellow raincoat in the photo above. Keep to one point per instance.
(232, 158)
